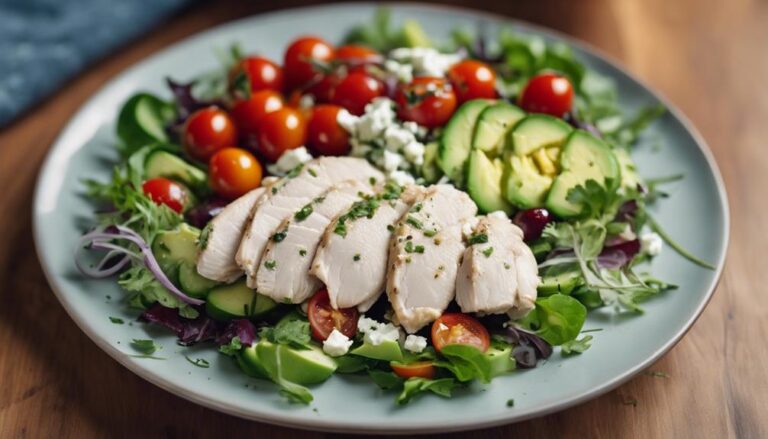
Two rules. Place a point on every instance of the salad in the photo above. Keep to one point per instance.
(424, 213)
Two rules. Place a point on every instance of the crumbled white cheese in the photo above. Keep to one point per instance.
(379, 114)
(347, 120)
(390, 161)
(366, 325)
(402, 178)
(337, 344)
(289, 160)
(385, 332)
(426, 61)
(499, 214)
(403, 72)
(414, 152)
(397, 137)
(627, 234)
(415, 343)
(651, 243)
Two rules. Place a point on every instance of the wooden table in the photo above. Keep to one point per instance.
(710, 58)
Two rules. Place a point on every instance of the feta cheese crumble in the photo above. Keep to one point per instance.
(366, 325)
(426, 61)
(337, 344)
(498, 214)
(385, 332)
(651, 243)
(289, 160)
(415, 343)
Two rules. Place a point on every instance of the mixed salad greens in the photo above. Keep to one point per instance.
(517, 122)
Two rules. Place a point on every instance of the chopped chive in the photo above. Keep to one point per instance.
(116, 320)
(270, 265)
(356, 257)
(488, 252)
(414, 222)
(479, 238)
(302, 252)
(199, 362)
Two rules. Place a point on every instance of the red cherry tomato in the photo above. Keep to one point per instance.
(458, 328)
(355, 57)
(208, 130)
(427, 101)
(419, 369)
(323, 319)
(168, 192)
(547, 93)
(473, 80)
(248, 113)
(233, 171)
(262, 73)
(280, 131)
(323, 89)
(299, 70)
(326, 137)
(356, 90)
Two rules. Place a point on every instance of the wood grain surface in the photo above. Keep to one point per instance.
(709, 57)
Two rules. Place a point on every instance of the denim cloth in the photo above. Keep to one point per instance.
(45, 42)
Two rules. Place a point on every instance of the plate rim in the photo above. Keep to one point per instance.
(317, 424)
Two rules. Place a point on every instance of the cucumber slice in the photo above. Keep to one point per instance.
(305, 366)
(584, 157)
(484, 183)
(535, 132)
(493, 125)
(429, 170)
(161, 163)
(456, 141)
(249, 362)
(561, 279)
(193, 283)
(142, 121)
(237, 301)
(388, 350)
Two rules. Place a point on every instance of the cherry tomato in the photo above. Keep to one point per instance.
(280, 131)
(459, 328)
(233, 171)
(547, 93)
(248, 113)
(299, 57)
(427, 101)
(355, 57)
(323, 319)
(418, 369)
(323, 89)
(326, 137)
(168, 192)
(262, 73)
(208, 130)
(356, 90)
(473, 80)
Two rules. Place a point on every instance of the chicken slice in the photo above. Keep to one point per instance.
(352, 257)
(283, 273)
(221, 238)
(291, 193)
(424, 255)
(500, 274)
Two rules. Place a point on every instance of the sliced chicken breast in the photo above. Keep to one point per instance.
(352, 257)
(424, 255)
(283, 273)
(499, 275)
(290, 194)
(222, 236)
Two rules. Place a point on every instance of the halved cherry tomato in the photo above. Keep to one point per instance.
(459, 328)
(356, 90)
(427, 101)
(299, 70)
(280, 131)
(168, 192)
(419, 369)
(323, 319)
(233, 171)
(248, 113)
(262, 73)
(547, 93)
(355, 57)
(326, 136)
(473, 80)
(208, 130)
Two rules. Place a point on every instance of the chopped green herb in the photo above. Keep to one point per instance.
(304, 212)
(199, 362)
(410, 248)
(279, 236)
(361, 209)
(293, 173)
(478, 238)
(391, 191)
(576, 346)
(419, 249)
(488, 252)
(408, 260)
(430, 233)
(414, 222)
(270, 265)
(116, 320)
(274, 190)
(312, 172)
(510, 402)
(356, 257)
(202, 242)
(390, 227)
(372, 181)
(417, 207)
(302, 252)
(146, 347)
(438, 241)
(507, 266)
(591, 330)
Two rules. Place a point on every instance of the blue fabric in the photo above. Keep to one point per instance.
(45, 42)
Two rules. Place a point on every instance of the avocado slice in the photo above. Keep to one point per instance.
(456, 141)
(484, 182)
(414, 35)
(584, 157)
(388, 350)
(249, 362)
(192, 283)
(493, 125)
(537, 131)
(160, 163)
(429, 170)
(300, 366)
(524, 186)
(563, 279)
(500, 359)
(142, 121)
(630, 179)
(237, 301)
